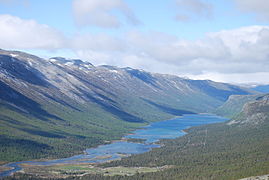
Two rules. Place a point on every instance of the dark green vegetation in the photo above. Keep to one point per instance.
(58, 107)
(233, 150)
(225, 151)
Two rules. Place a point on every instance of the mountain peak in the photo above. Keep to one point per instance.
(70, 62)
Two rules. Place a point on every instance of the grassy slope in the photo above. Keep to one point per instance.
(24, 136)
(57, 138)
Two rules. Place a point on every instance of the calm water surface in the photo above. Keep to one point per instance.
(152, 133)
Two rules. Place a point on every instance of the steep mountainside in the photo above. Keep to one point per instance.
(262, 88)
(56, 107)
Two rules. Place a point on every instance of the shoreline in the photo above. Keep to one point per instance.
(19, 165)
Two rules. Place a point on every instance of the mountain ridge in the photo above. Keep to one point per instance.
(261, 88)
(69, 105)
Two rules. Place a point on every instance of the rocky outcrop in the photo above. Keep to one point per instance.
(254, 113)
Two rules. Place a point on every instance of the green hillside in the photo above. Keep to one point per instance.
(51, 108)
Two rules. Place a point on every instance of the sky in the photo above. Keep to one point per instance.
(223, 40)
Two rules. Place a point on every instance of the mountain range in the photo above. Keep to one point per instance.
(261, 88)
(58, 107)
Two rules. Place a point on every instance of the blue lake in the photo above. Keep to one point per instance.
(152, 133)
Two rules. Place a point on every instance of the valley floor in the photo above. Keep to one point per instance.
(217, 152)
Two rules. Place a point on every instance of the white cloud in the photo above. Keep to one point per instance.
(259, 7)
(95, 57)
(97, 42)
(193, 9)
(235, 78)
(238, 53)
(101, 13)
(247, 43)
(26, 34)
(170, 49)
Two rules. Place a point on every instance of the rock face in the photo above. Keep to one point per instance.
(75, 102)
(234, 105)
(254, 113)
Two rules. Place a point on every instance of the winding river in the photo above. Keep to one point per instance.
(152, 133)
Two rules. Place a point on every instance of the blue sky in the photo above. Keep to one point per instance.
(224, 40)
(157, 15)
